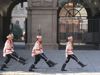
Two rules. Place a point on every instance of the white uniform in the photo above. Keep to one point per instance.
(12, 46)
(69, 48)
(7, 48)
(37, 49)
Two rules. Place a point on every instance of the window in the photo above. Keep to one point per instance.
(17, 22)
(21, 6)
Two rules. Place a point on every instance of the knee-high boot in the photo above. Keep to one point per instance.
(21, 61)
(63, 67)
(5, 66)
(31, 67)
(51, 63)
(2, 67)
(81, 64)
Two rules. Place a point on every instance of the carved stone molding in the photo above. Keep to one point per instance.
(42, 3)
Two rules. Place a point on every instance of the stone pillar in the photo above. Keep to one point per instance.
(1, 29)
(43, 13)
(99, 33)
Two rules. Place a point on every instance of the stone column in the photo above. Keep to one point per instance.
(1, 29)
(43, 13)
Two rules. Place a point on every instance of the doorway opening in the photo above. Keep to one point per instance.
(19, 24)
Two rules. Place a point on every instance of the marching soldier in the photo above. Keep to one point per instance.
(12, 46)
(38, 53)
(70, 54)
(8, 52)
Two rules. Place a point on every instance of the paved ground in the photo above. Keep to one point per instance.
(91, 58)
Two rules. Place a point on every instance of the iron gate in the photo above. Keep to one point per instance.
(72, 22)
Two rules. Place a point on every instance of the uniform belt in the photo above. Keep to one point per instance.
(8, 49)
(38, 49)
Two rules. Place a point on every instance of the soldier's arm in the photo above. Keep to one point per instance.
(67, 48)
(36, 47)
(7, 46)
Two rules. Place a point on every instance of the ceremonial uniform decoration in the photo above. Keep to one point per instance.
(9, 52)
(37, 49)
(70, 54)
(39, 54)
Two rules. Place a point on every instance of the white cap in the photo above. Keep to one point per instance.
(38, 36)
(9, 36)
(70, 37)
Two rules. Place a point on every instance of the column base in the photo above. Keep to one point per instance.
(46, 46)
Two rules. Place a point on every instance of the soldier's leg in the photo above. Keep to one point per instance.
(76, 59)
(49, 61)
(14, 56)
(37, 59)
(21, 58)
(64, 65)
(8, 57)
(46, 60)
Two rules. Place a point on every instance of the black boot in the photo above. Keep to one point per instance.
(22, 62)
(49, 64)
(23, 59)
(52, 62)
(31, 67)
(2, 67)
(63, 67)
(5, 66)
(81, 64)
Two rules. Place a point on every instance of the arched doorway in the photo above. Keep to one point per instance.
(17, 14)
(73, 19)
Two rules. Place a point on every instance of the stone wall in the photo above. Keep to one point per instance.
(43, 13)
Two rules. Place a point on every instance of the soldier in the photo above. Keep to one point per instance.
(12, 46)
(38, 53)
(69, 54)
(8, 52)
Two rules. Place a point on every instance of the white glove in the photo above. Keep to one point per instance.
(66, 55)
(32, 55)
(12, 50)
(4, 55)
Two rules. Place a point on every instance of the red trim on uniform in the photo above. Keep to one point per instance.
(71, 47)
(40, 49)
(5, 51)
(8, 41)
(37, 49)
(8, 49)
(33, 52)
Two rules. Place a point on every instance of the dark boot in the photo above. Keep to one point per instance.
(21, 61)
(52, 62)
(31, 67)
(49, 64)
(63, 67)
(2, 67)
(5, 66)
(81, 64)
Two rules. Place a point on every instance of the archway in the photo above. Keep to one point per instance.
(19, 16)
(8, 18)
(8, 26)
(72, 21)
